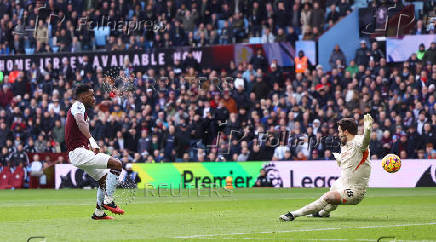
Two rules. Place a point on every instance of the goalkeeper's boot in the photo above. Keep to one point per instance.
(317, 215)
(287, 217)
(113, 208)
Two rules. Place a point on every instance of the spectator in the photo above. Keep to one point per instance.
(19, 157)
(430, 54)
(420, 52)
(279, 152)
(291, 36)
(420, 28)
(267, 36)
(336, 55)
(6, 96)
(131, 178)
(5, 157)
(301, 62)
(376, 54)
(362, 54)
(59, 135)
(263, 180)
(317, 16)
(306, 19)
(333, 15)
(259, 61)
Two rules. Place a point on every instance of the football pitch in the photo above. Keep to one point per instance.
(246, 214)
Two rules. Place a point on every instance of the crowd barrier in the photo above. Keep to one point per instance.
(413, 173)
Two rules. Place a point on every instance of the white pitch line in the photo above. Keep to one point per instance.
(303, 230)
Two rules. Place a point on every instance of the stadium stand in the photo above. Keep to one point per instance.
(170, 126)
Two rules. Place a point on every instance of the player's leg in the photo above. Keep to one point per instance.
(331, 197)
(348, 197)
(97, 165)
(85, 159)
(99, 213)
(115, 167)
(325, 212)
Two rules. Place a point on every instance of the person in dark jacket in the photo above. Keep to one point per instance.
(259, 61)
(376, 54)
(430, 54)
(317, 16)
(261, 88)
(337, 54)
(263, 180)
(131, 178)
(362, 54)
(20, 85)
(182, 141)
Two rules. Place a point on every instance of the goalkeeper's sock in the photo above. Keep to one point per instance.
(111, 184)
(311, 208)
(325, 212)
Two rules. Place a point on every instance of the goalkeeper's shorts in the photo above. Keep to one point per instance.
(349, 196)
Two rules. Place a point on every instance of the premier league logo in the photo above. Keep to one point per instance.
(428, 178)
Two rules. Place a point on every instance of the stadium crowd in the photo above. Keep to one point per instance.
(176, 119)
(263, 113)
(64, 26)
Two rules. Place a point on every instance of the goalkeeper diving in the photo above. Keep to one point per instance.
(354, 161)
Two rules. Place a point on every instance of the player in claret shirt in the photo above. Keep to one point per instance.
(355, 166)
(83, 152)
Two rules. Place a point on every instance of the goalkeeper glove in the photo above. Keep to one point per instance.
(367, 122)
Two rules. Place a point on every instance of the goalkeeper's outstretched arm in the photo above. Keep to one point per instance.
(367, 125)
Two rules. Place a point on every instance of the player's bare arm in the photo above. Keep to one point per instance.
(83, 125)
(84, 128)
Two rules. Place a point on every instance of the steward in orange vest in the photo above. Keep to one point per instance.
(301, 63)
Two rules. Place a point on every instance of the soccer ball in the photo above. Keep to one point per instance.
(391, 163)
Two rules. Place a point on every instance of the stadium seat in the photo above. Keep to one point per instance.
(131, 13)
(16, 180)
(255, 40)
(100, 35)
(30, 51)
(221, 24)
(4, 178)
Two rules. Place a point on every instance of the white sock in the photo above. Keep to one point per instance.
(111, 184)
(327, 209)
(98, 212)
(100, 196)
(311, 208)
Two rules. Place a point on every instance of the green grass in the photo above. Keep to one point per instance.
(249, 214)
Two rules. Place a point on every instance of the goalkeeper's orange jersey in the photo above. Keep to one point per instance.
(355, 164)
